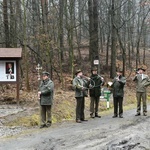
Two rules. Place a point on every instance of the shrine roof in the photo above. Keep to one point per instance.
(10, 52)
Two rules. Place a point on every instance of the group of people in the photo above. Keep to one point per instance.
(92, 85)
(81, 84)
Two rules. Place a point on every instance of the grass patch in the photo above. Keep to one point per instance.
(64, 109)
(26, 121)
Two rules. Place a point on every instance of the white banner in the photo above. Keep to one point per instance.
(7, 70)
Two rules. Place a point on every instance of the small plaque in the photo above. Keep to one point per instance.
(96, 62)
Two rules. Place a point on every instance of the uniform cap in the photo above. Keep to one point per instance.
(94, 69)
(78, 71)
(119, 70)
(45, 73)
(141, 68)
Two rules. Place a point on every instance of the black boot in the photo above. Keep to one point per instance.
(96, 115)
(120, 116)
(138, 114)
(92, 115)
(114, 116)
(49, 123)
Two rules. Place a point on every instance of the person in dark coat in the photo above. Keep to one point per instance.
(45, 94)
(142, 81)
(118, 93)
(80, 86)
(96, 81)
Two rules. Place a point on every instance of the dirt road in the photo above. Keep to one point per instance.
(104, 133)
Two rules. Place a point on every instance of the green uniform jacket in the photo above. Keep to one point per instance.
(141, 84)
(96, 82)
(78, 85)
(118, 86)
(47, 91)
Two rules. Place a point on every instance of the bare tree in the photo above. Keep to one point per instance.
(6, 23)
(93, 30)
(113, 41)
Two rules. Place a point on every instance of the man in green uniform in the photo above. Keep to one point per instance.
(80, 86)
(142, 81)
(118, 93)
(95, 92)
(45, 95)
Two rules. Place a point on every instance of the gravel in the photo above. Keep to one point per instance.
(6, 110)
(10, 131)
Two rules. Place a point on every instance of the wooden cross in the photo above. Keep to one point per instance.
(38, 68)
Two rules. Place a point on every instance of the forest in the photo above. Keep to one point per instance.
(62, 35)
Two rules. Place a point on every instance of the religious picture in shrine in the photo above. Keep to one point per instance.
(7, 70)
(9, 67)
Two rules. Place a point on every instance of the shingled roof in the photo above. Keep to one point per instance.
(10, 52)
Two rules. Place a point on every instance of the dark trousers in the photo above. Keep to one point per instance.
(45, 111)
(94, 104)
(118, 102)
(80, 108)
(141, 96)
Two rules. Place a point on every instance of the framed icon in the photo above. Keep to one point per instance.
(9, 67)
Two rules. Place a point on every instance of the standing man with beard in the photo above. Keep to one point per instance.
(45, 95)
(95, 92)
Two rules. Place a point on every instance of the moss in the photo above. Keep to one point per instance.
(26, 121)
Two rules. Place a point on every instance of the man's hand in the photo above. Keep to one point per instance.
(90, 86)
(83, 88)
(39, 93)
(117, 78)
(89, 78)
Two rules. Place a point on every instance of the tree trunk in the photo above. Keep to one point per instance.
(113, 42)
(6, 24)
(44, 4)
(61, 31)
(93, 30)
(61, 39)
(25, 47)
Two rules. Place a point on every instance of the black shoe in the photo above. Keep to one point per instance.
(120, 116)
(42, 126)
(48, 124)
(144, 114)
(138, 114)
(92, 115)
(115, 116)
(96, 115)
(84, 120)
(78, 121)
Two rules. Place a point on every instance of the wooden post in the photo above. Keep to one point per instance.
(17, 75)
